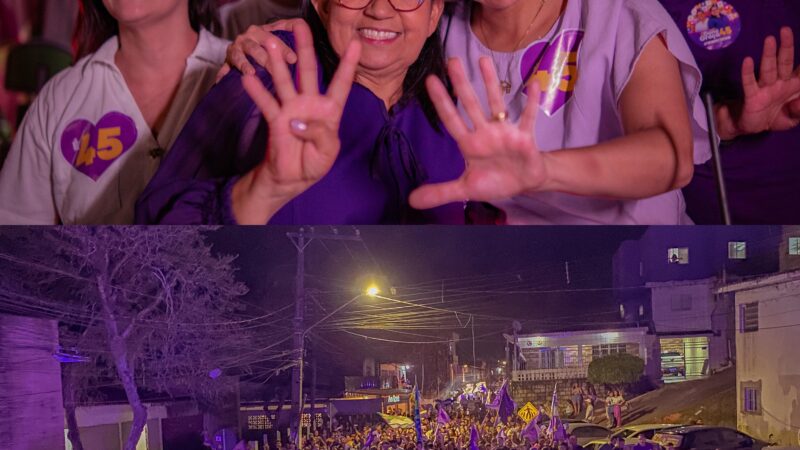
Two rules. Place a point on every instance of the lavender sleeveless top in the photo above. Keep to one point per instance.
(585, 61)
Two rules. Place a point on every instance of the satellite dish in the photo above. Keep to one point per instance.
(516, 326)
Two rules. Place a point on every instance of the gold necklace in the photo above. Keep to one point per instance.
(505, 84)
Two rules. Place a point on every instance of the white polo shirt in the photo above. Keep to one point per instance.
(84, 152)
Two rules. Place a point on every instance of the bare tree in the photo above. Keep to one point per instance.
(155, 309)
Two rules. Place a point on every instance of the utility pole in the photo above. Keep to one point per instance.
(301, 240)
(474, 362)
(298, 337)
(313, 389)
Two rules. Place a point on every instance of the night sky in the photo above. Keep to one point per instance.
(483, 260)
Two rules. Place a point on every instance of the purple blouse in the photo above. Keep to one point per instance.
(384, 155)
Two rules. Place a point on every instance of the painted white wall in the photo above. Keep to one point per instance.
(107, 426)
(771, 356)
(697, 318)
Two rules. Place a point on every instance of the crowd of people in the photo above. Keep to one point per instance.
(458, 434)
(468, 424)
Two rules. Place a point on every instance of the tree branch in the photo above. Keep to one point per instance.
(150, 308)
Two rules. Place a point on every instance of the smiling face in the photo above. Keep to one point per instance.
(391, 41)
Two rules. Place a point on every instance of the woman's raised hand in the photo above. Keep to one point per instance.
(771, 103)
(303, 129)
(502, 158)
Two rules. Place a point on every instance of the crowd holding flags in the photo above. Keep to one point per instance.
(474, 438)
(503, 403)
(442, 418)
(531, 430)
(439, 427)
(370, 440)
(556, 427)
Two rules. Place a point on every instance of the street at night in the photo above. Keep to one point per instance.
(547, 338)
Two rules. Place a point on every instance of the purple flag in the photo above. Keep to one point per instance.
(503, 403)
(556, 429)
(531, 430)
(474, 437)
(442, 418)
(561, 431)
(369, 440)
(417, 420)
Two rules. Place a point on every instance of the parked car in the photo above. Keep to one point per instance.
(631, 433)
(588, 432)
(701, 437)
(585, 432)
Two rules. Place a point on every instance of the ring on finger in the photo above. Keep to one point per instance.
(502, 116)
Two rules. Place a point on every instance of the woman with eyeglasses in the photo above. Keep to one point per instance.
(342, 136)
(610, 134)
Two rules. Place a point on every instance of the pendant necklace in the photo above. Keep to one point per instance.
(505, 83)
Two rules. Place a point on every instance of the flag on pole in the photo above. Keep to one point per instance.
(442, 418)
(417, 419)
(561, 431)
(370, 439)
(474, 437)
(531, 430)
(503, 403)
(554, 402)
(556, 427)
(554, 418)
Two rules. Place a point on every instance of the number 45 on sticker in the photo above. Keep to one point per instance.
(108, 146)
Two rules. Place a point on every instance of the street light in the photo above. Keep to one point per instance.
(371, 291)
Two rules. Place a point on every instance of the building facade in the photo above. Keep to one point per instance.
(767, 367)
(668, 280)
(692, 324)
(108, 426)
(548, 361)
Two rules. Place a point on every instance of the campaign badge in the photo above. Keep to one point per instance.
(93, 148)
(713, 24)
(555, 66)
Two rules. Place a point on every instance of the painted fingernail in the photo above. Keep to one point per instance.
(298, 125)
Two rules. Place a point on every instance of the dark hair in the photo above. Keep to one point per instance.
(429, 62)
(95, 24)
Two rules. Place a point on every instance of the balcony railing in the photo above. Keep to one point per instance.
(561, 373)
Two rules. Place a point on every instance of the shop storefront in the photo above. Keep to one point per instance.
(684, 358)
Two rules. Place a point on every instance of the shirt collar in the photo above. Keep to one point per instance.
(203, 51)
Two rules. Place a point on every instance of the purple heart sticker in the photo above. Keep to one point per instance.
(555, 65)
(93, 149)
